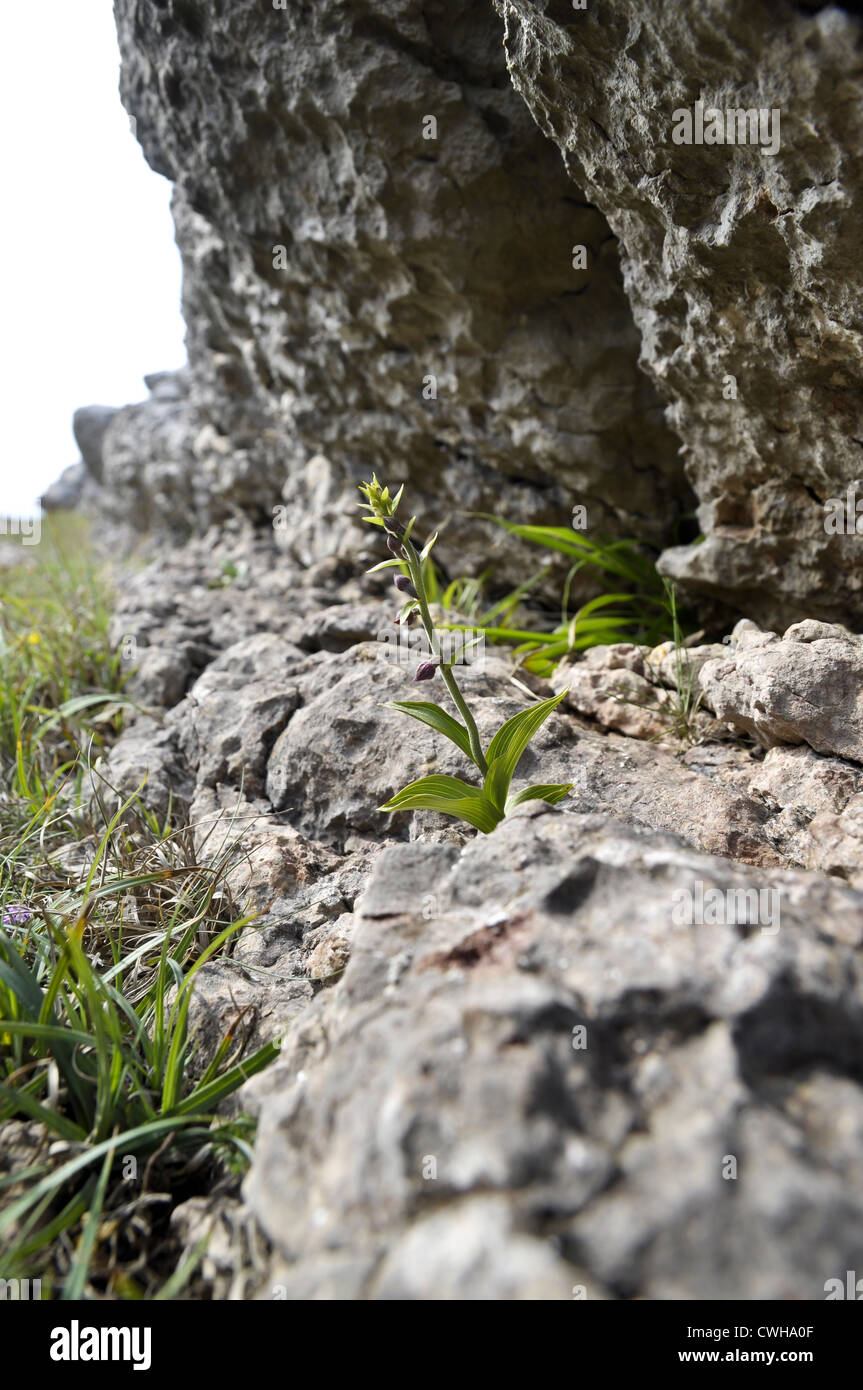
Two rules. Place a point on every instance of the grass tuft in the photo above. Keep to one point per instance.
(637, 610)
(108, 1117)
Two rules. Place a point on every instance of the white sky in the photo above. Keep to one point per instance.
(90, 272)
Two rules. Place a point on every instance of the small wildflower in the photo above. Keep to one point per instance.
(378, 501)
(34, 638)
(481, 806)
(16, 915)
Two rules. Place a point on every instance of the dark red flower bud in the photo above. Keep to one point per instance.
(425, 671)
(394, 527)
(394, 546)
(403, 584)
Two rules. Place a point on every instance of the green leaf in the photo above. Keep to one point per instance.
(622, 558)
(21, 1100)
(82, 702)
(450, 795)
(437, 719)
(458, 656)
(426, 550)
(512, 739)
(511, 601)
(385, 565)
(205, 1097)
(552, 792)
(497, 780)
(432, 584)
(126, 1142)
(75, 1286)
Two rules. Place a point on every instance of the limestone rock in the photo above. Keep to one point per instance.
(446, 1080)
(430, 1130)
(66, 493)
(613, 686)
(89, 425)
(378, 252)
(804, 687)
(739, 261)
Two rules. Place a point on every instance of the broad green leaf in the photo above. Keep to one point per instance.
(497, 780)
(82, 702)
(437, 719)
(512, 738)
(552, 792)
(19, 977)
(615, 557)
(450, 795)
(79, 704)
(21, 981)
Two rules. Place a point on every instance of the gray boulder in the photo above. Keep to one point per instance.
(65, 494)
(805, 687)
(89, 425)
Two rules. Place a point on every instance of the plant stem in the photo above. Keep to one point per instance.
(415, 567)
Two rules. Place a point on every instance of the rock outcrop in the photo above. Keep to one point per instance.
(613, 1049)
(739, 260)
(386, 263)
(378, 246)
(538, 1086)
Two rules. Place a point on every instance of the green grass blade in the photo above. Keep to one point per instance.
(76, 1283)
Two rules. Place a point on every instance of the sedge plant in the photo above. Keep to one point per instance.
(485, 805)
(97, 1052)
(637, 610)
(111, 1096)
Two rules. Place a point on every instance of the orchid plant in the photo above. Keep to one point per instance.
(483, 806)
